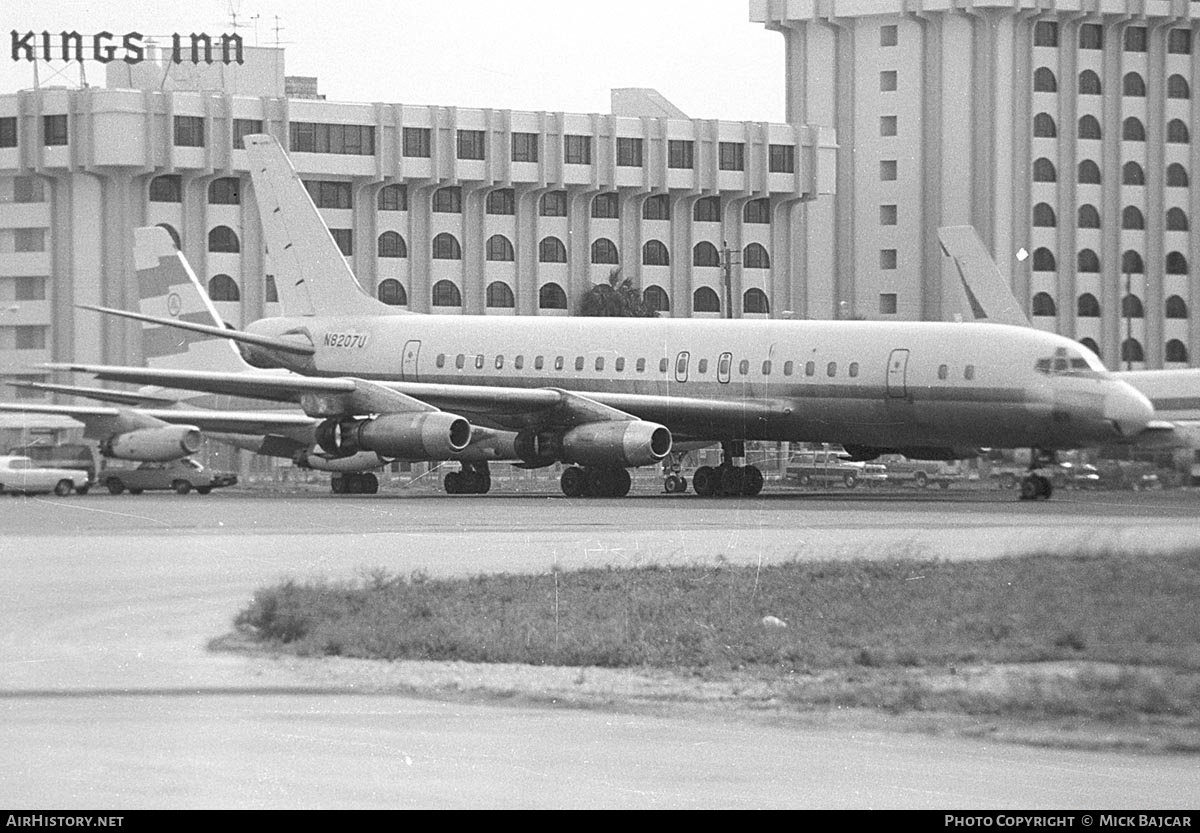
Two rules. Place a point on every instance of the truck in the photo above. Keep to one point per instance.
(20, 475)
(829, 467)
(62, 456)
(921, 473)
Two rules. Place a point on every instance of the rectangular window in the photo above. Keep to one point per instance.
(326, 194)
(416, 141)
(577, 150)
(224, 191)
(344, 238)
(54, 130)
(318, 137)
(887, 80)
(1045, 33)
(1091, 36)
(243, 128)
(448, 200)
(781, 159)
(1135, 39)
(471, 144)
(887, 125)
(887, 170)
(393, 198)
(731, 156)
(8, 132)
(30, 337)
(29, 288)
(888, 215)
(887, 303)
(887, 258)
(28, 189)
(889, 35)
(681, 154)
(189, 131)
(501, 201)
(629, 152)
(1179, 42)
(606, 207)
(554, 204)
(524, 147)
(29, 240)
(166, 188)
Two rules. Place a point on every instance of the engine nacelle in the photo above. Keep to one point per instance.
(362, 461)
(424, 435)
(153, 445)
(623, 443)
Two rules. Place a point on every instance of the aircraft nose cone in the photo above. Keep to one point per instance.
(1128, 410)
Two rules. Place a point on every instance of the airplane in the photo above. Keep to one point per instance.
(606, 395)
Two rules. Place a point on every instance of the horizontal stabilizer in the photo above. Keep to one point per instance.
(119, 397)
(266, 342)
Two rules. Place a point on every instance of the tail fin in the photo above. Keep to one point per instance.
(311, 275)
(987, 290)
(167, 287)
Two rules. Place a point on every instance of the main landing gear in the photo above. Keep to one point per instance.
(727, 479)
(354, 483)
(673, 480)
(595, 481)
(1036, 486)
(474, 479)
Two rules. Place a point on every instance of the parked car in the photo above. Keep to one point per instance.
(1127, 474)
(830, 467)
(921, 473)
(180, 476)
(61, 456)
(1076, 476)
(20, 475)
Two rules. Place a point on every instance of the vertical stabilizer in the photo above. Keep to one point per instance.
(987, 290)
(311, 275)
(168, 288)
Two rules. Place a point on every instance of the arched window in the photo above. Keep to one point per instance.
(656, 298)
(705, 254)
(391, 244)
(223, 239)
(754, 256)
(1043, 126)
(1177, 132)
(500, 296)
(1044, 305)
(223, 288)
(1177, 87)
(1087, 261)
(392, 293)
(1176, 307)
(1089, 127)
(1176, 263)
(656, 207)
(705, 299)
(552, 250)
(1088, 306)
(1132, 174)
(499, 248)
(1177, 176)
(604, 251)
(1089, 173)
(175, 235)
(1089, 217)
(224, 191)
(606, 207)
(1044, 81)
(1043, 216)
(1131, 307)
(654, 253)
(1090, 343)
(755, 301)
(1043, 260)
(1131, 262)
(1043, 170)
(1131, 350)
(1133, 85)
(446, 294)
(757, 211)
(1176, 351)
(1132, 130)
(1131, 218)
(707, 210)
(551, 296)
(1089, 83)
(445, 247)
(1176, 220)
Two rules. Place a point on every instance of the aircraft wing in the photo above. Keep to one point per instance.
(101, 421)
(119, 397)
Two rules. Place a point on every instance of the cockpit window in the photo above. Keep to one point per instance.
(1067, 360)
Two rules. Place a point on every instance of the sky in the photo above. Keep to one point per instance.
(705, 56)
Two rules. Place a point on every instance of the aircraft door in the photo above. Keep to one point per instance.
(408, 367)
(681, 366)
(723, 365)
(897, 374)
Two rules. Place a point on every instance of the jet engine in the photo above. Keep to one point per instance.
(169, 442)
(311, 458)
(423, 435)
(617, 443)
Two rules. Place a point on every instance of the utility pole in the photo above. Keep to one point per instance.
(726, 272)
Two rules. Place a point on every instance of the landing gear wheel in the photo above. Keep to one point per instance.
(453, 483)
(705, 481)
(752, 481)
(573, 482)
(1036, 487)
(671, 484)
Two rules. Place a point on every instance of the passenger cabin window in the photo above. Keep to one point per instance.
(831, 369)
(853, 369)
(499, 362)
(559, 362)
(539, 362)
(810, 368)
(744, 367)
(441, 360)
(788, 367)
(641, 365)
(620, 364)
(479, 362)
(969, 373)
(461, 361)
(766, 367)
(599, 362)
(663, 364)
(702, 367)
(943, 372)
(519, 363)
(579, 363)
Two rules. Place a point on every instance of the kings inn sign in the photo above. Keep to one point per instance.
(69, 46)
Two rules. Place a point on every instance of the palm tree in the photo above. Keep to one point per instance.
(615, 299)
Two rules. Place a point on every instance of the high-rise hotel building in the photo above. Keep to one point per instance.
(1065, 131)
(438, 209)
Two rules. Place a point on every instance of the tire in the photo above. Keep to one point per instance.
(1008, 480)
(63, 488)
(850, 480)
(114, 485)
(921, 479)
(453, 483)
(704, 481)
(181, 487)
(1031, 489)
(203, 490)
(671, 484)
(752, 481)
(573, 482)
(83, 490)
(135, 491)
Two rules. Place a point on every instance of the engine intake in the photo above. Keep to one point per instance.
(624, 443)
(425, 435)
(153, 445)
